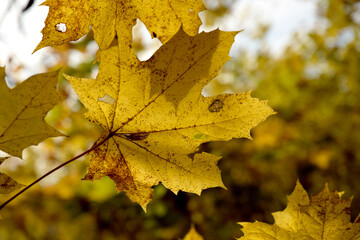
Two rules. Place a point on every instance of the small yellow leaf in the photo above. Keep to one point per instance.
(7, 184)
(324, 216)
(23, 109)
(157, 116)
(193, 234)
(68, 20)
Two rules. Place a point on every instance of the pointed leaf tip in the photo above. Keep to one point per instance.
(7, 184)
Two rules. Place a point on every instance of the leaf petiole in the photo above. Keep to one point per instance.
(56, 168)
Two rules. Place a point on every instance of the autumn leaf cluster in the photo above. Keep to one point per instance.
(154, 118)
(152, 113)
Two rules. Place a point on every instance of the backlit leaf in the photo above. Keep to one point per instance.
(324, 216)
(68, 20)
(159, 118)
(23, 109)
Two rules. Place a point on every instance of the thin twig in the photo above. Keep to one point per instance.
(56, 168)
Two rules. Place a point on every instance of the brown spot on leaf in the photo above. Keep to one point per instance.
(216, 105)
(137, 136)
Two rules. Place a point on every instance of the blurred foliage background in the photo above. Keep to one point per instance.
(314, 85)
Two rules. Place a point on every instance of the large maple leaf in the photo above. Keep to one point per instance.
(156, 117)
(68, 20)
(23, 110)
(324, 216)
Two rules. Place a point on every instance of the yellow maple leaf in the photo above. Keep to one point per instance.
(324, 216)
(68, 20)
(156, 117)
(193, 234)
(23, 109)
